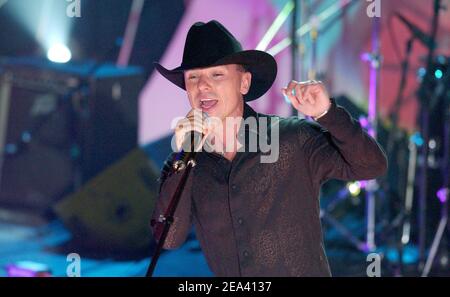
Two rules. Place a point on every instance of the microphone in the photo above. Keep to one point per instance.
(424, 38)
(188, 151)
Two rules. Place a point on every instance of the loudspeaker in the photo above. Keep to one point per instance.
(60, 125)
(109, 131)
(110, 214)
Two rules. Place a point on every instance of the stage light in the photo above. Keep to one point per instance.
(26, 136)
(410, 254)
(432, 144)
(421, 73)
(364, 121)
(59, 53)
(28, 269)
(442, 194)
(354, 188)
(438, 73)
(417, 139)
(272, 31)
(46, 20)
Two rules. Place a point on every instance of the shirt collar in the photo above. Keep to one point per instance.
(248, 113)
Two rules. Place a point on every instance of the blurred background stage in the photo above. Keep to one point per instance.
(85, 125)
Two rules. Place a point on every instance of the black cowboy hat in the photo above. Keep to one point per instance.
(211, 44)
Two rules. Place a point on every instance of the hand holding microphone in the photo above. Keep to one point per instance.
(191, 131)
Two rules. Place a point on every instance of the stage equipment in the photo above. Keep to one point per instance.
(61, 124)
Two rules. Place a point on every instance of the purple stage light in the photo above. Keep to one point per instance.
(442, 194)
(28, 269)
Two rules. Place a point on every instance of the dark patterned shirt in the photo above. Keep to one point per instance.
(263, 219)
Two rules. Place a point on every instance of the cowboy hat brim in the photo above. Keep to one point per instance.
(261, 65)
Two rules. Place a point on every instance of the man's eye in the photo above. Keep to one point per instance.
(217, 74)
(192, 76)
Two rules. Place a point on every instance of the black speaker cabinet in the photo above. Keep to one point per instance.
(60, 125)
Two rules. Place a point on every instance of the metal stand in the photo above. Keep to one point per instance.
(403, 218)
(316, 26)
(371, 186)
(182, 164)
(375, 62)
(424, 97)
(5, 90)
(374, 59)
(167, 219)
(329, 219)
(443, 195)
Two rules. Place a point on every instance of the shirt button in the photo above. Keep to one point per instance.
(240, 221)
(246, 254)
(233, 186)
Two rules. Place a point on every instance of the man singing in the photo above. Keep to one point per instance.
(255, 218)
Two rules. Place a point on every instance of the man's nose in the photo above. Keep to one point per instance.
(203, 84)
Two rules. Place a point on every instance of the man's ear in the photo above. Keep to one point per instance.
(246, 81)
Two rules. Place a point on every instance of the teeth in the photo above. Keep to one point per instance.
(207, 103)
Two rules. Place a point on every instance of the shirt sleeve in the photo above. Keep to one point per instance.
(336, 146)
(182, 220)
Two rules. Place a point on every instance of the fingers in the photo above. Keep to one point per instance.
(291, 98)
(305, 94)
(186, 125)
(301, 93)
(194, 121)
(288, 92)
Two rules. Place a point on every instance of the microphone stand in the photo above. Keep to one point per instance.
(186, 163)
(443, 195)
(373, 121)
(424, 116)
(403, 217)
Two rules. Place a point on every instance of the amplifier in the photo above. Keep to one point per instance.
(60, 125)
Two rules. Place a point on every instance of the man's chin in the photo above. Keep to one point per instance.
(213, 113)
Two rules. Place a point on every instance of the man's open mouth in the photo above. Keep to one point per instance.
(207, 104)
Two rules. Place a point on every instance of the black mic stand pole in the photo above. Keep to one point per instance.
(186, 164)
